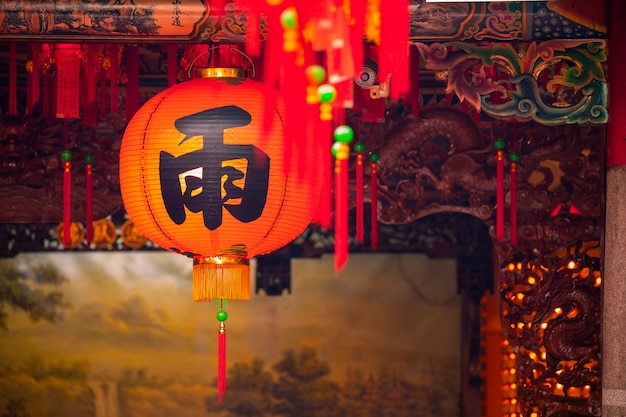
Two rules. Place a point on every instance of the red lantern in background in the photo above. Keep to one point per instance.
(202, 173)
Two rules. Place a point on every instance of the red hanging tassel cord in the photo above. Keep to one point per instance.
(90, 115)
(172, 64)
(374, 197)
(34, 76)
(341, 212)
(221, 362)
(89, 197)
(114, 52)
(499, 145)
(103, 91)
(132, 85)
(360, 233)
(66, 156)
(514, 158)
(13, 78)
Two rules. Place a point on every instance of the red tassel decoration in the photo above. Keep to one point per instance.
(414, 92)
(90, 115)
(221, 363)
(45, 95)
(514, 158)
(66, 156)
(393, 55)
(341, 211)
(499, 145)
(374, 157)
(103, 86)
(132, 85)
(114, 52)
(34, 92)
(253, 30)
(67, 87)
(341, 150)
(326, 94)
(359, 147)
(221, 353)
(13, 78)
(172, 64)
(89, 196)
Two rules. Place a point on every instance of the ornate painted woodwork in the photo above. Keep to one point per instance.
(198, 21)
(437, 173)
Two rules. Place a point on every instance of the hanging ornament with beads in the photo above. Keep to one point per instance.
(222, 315)
(359, 148)
(341, 151)
(374, 157)
(499, 145)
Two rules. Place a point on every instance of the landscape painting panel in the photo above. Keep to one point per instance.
(380, 339)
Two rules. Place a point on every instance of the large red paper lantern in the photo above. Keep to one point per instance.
(203, 173)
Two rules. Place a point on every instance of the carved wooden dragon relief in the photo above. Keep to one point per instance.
(550, 281)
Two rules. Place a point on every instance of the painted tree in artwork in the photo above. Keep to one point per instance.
(249, 391)
(32, 289)
(303, 387)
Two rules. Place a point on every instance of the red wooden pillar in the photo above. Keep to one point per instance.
(616, 129)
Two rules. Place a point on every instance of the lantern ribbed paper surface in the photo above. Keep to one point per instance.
(202, 174)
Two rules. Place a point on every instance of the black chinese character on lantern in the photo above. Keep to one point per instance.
(214, 161)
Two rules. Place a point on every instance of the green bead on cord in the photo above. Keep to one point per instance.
(289, 18)
(343, 134)
(66, 155)
(340, 150)
(359, 147)
(326, 93)
(374, 156)
(315, 74)
(499, 144)
(89, 158)
(222, 315)
(514, 157)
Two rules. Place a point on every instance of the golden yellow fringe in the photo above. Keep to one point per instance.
(225, 278)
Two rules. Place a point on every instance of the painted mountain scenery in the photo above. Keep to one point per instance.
(117, 335)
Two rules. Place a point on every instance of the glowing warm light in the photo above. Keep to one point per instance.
(559, 386)
(544, 326)
(532, 355)
(558, 310)
(572, 265)
(512, 371)
(598, 282)
(520, 325)
(514, 401)
(512, 355)
(534, 415)
(513, 385)
(519, 266)
(510, 267)
(234, 135)
(532, 280)
(543, 355)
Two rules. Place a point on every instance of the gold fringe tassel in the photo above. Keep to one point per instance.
(221, 277)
